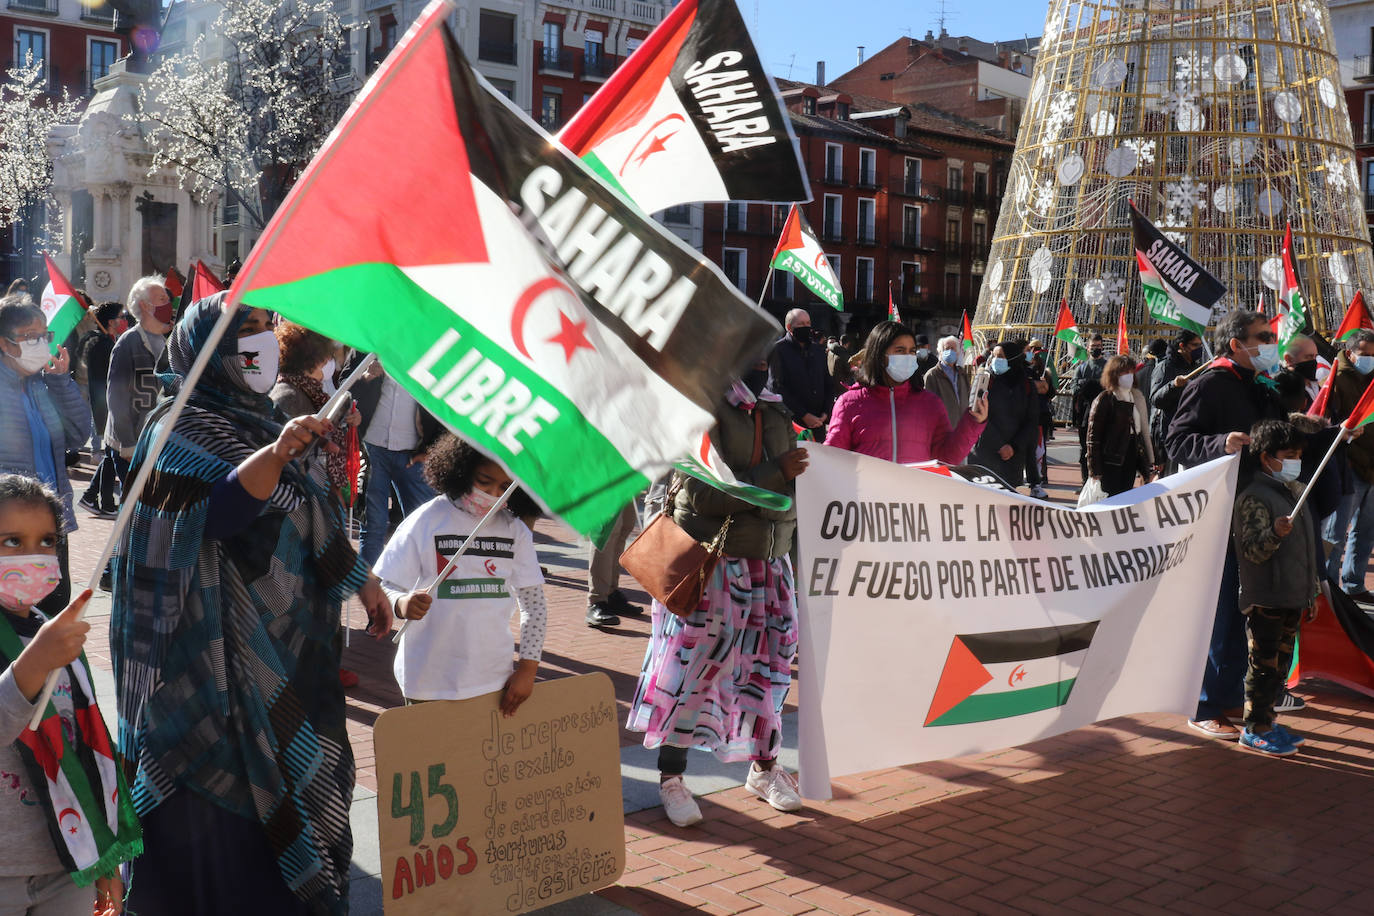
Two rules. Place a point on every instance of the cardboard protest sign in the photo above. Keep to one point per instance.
(482, 814)
(1012, 619)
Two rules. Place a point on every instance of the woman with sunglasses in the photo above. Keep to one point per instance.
(42, 415)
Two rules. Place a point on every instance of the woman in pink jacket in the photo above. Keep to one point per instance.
(885, 417)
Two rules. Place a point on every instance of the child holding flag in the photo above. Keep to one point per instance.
(1278, 578)
(464, 649)
(66, 825)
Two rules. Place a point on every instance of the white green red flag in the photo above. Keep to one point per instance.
(587, 372)
(1066, 329)
(966, 336)
(799, 252)
(892, 313)
(1177, 290)
(1356, 319)
(691, 116)
(62, 307)
(1292, 310)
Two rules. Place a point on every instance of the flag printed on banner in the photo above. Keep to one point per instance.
(966, 338)
(691, 116)
(799, 252)
(1011, 673)
(1291, 310)
(1356, 319)
(586, 371)
(61, 306)
(1177, 290)
(1066, 329)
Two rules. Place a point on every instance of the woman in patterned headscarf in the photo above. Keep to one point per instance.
(225, 640)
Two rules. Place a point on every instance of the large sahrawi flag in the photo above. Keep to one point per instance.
(691, 116)
(586, 385)
(1018, 620)
(1177, 290)
(799, 252)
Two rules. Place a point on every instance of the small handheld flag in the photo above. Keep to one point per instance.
(1122, 344)
(892, 313)
(1177, 290)
(1356, 319)
(799, 253)
(61, 306)
(1066, 329)
(1291, 307)
(966, 334)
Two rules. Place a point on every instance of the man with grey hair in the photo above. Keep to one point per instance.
(797, 373)
(949, 379)
(1351, 527)
(132, 381)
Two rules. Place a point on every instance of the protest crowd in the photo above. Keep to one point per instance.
(263, 473)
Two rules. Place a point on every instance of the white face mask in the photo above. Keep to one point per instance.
(33, 355)
(1265, 357)
(327, 382)
(901, 366)
(258, 359)
(1127, 380)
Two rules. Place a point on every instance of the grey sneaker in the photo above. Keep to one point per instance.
(599, 616)
(678, 802)
(775, 786)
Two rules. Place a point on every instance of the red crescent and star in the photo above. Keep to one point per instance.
(1016, 675)
(490, 567)
(75, 828)
(572, 334)
(657, 142)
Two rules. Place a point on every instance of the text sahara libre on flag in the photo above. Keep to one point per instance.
(585, 385)
(691, 116)
(61, 307)
(1177, 290)
(800, 253)
(1008, 673)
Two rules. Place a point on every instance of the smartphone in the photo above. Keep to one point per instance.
(979, 387)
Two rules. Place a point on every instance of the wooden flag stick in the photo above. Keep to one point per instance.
(1302, 500)
(145, 470)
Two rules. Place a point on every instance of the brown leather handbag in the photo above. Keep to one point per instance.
(673, 566)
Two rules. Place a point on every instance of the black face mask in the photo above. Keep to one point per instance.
(1097, 354)
(755, 379)
(1194, 355)
(1306, 369)
(802, 336)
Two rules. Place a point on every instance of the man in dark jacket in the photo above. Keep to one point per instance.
(797, 373)
(1166, 387)
(1087, 385)
(1214, 418)
(1013, 416)
(1297, 381)
(1354, 368)
(95, 349)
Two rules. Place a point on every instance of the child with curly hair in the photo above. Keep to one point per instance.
(463, 648)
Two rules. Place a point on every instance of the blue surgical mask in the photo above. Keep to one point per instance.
(901, 366)
(1030, 356)
(1266, 357)
(949, 357)
(998, 365)
(1365, 364)
(1292, 467)
(922, 352)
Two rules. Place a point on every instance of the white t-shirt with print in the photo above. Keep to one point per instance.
(463, 646)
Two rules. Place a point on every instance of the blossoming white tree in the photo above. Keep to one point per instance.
(240, 111)
(28, 113)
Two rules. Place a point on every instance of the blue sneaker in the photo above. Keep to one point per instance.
(1271, 742)
(1295, 740)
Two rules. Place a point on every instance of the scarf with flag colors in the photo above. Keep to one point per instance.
(691, 116)
(1066, 329)
(799, 252)
(61, 306)
(1356, 319)
(80, 786)
(1177, 290)
(1123, 344)
(1291, 310)
(615, 347)
(966, 338)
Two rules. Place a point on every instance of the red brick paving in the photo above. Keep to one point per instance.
(1135, 815)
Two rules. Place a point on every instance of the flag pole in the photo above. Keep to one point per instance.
(768, 278)
(1297, 507)
(1198, 370)
(453, 560)
(145, 470)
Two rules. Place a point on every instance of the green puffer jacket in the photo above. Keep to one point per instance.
(701, 510)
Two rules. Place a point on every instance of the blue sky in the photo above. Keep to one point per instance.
(831, 30)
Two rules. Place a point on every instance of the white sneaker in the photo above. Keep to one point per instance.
(775, 786)
(678, 802)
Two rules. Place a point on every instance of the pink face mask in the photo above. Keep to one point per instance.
(477, 503)
(27, 580)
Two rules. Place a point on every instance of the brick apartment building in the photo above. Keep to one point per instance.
(1352, 25)
(77, 45)
(906, 195)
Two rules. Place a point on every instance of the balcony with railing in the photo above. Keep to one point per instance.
(833, 175)
(911, 238)
(496, 52)
(556, 60)
(1369, 202)
(631, 9)
(600, 66)
(867, 236)
(868, 178)
(911, 187)
(761, 223)
(102, 14)
(832, 232)
(955, 196)
(47, 7)
(1362, 67)
(1364, 133)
